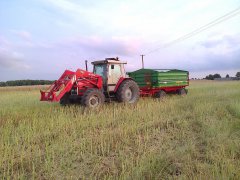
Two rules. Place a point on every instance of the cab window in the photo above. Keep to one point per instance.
(115, 70)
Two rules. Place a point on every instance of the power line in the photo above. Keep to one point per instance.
(199, 30)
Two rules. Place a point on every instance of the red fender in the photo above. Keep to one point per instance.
(120, 82)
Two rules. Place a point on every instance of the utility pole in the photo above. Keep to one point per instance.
(142, 61)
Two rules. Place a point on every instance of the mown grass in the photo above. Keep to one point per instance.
(192, 137)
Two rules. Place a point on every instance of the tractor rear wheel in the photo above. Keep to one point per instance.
(92, 98)
(182, 92)
(128, 92)
(160, 94)
(65, 99)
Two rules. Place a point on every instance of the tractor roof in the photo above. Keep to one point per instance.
(109, 61)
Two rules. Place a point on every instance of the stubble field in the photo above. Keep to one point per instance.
(192, 137)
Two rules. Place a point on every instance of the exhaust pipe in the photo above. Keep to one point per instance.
(86, 64)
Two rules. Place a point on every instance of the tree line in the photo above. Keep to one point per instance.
(47, 82)
(212, 77)
(25, 83)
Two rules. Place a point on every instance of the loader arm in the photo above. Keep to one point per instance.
(93, 79)
(63, 85)
(80, 79)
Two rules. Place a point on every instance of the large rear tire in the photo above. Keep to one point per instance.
(92, 98)
(128, 92)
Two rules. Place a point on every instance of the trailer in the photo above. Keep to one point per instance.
(159, 82)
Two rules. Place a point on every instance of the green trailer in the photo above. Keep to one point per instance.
(158, 82)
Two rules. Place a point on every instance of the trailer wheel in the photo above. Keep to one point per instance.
(92, 98)
(128, 92)
(182, 92)
(160, 94)
(65, 99)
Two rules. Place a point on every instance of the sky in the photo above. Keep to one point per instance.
(39, 39)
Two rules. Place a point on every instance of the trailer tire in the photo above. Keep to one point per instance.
(182, 92)
(65, 99)
(160, 94)
(92, 98)
(128, 92)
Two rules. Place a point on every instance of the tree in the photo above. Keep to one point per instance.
(2, 84)
(216, 76)
(238, 74)
(227, 76)
(212, 77)
(209, 77)
(25, 82)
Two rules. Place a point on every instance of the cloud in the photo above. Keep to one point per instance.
(223, 47)
(64, 5)
(4, 43)
(25, 35)
(197, 5)
(219, 52)
(231, 39)
(113, 17)
(214, 62)
(12, 60)
(122, 46)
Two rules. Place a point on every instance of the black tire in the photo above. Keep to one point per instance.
(182, 92)
(92, 98)
(128, 92)
(160, 94)
(65, 99)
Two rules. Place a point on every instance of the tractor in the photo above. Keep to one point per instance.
(108, 81)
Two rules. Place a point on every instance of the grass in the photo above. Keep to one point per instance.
(192, 137)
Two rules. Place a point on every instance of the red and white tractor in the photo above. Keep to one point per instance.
(108, 81)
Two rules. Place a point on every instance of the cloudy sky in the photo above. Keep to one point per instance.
(39, 39)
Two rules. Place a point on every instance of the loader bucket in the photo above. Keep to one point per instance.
(47, 96)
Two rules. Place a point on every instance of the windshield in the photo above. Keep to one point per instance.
(100, 69)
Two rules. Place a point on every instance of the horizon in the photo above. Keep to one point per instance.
(190, 77)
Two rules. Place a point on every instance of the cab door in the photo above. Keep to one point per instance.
(114, 74)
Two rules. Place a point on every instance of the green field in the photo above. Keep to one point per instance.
(192, 137)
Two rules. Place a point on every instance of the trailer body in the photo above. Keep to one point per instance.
(151, 81)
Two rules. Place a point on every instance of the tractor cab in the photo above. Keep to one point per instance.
(111, 70)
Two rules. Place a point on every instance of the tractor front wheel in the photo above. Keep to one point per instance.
(92, 98)
(65, 99)
(128, 92)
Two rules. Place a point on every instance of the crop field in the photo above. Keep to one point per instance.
(191, 137)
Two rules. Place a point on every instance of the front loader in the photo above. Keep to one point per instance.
(107, 82)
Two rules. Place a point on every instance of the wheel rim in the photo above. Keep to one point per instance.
(128, 94)
(93, 101)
